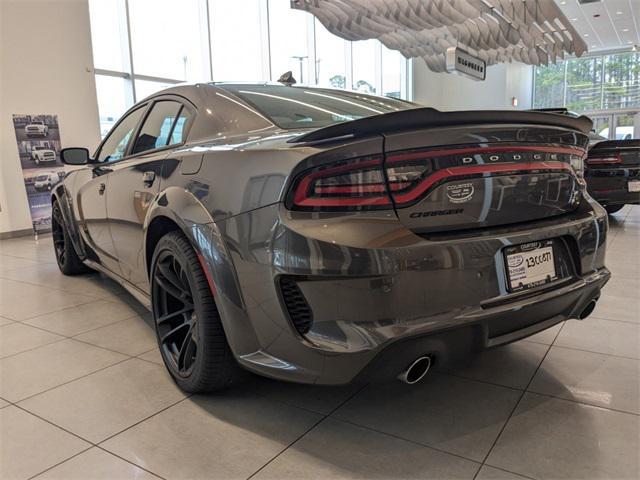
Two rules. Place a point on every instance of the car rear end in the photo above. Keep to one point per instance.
(415, 233)
(612, 172)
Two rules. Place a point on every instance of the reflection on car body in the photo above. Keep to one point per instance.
(322, 236)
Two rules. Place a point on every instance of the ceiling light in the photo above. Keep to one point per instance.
(618, 12)
(586, 35)
(625, 29)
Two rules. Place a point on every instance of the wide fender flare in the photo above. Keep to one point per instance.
(189, 214)
(61, 195)
(181, 207)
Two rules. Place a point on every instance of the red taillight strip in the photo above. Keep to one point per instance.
(403, 157)
(302, 189)
(607, 160)
(344, 201)
(448, 173)
(350, 189)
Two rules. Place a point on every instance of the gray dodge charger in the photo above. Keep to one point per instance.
(323, 236)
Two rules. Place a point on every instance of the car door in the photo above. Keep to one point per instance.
(94, 182)
(136, 180)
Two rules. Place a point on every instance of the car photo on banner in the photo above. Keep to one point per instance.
(38, 141)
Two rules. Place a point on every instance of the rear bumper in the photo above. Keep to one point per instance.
(616, 197)
(526, 318)
(609, 186)
(381, 295)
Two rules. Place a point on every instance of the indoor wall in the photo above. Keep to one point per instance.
(453, 92)
(50, 73)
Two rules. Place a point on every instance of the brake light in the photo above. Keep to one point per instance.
(350, 185)
(423, 171)
(404, 178)
(608, 160)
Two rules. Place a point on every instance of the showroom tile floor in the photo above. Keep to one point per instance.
(83, 395)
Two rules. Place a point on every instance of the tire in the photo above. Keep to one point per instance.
(68, 261)
(613, 208)
(37, 161)
(188, 327)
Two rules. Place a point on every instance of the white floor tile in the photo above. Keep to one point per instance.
(102, 404)
(30, 445)
(452, 414)
(34, 371)
(552, 438)
(96, 464)
(336, 449)
(592, 378)
(224, 436)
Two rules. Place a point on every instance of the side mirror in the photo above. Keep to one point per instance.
(75, 156)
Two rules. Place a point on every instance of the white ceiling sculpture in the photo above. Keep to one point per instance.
(497, 31)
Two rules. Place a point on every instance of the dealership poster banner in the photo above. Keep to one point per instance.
(38, 138)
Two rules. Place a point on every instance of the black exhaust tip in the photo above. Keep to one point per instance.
(587, 310)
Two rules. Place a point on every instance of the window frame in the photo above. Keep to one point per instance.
(138, 106)
(153, 103)
(148, 106)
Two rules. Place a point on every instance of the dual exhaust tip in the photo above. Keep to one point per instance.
(416, 371)
(421, 365)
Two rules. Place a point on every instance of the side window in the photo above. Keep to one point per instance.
(115, 146)
(157, 126)
(179, 134)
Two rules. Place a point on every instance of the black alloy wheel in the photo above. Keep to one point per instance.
(175, 314)
(66, 256)
(57, 226)
(189, 330)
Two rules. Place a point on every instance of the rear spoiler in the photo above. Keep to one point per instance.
(556, 110)
(615, 145)
(426, 117)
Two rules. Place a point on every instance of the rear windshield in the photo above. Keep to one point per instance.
(40, 178)
(300, 107)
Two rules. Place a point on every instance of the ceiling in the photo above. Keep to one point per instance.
(615, 26)
(497, 31)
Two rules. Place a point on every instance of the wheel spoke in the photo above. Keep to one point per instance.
(187, 309)
(184, 349)
(173, 331)
(170, 276)
(174, 313)
(173, 291)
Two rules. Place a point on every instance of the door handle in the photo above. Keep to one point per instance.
(102, 188)
(148, 178)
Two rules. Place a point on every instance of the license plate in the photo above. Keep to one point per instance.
(530, 265)
(634, 186)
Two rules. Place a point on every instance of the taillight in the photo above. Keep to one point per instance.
(607, 160)
(350, 185)
(417, 173)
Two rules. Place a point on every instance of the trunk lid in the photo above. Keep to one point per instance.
(480, 176)
(450, 171)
